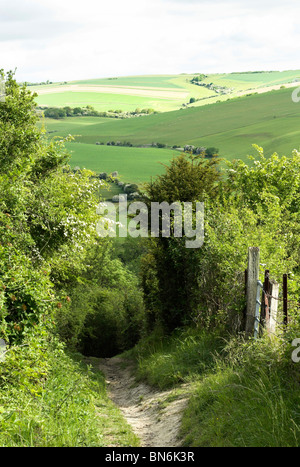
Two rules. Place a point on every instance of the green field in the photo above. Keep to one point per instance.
(162, 93)
(162, 81)
(105, 102)
(270, 120)
(135, 165)
(244, 81)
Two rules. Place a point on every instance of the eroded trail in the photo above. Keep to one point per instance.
(155, 416)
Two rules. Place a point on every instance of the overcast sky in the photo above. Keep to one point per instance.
(69, 40)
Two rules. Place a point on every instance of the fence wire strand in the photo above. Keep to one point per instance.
(266, 308)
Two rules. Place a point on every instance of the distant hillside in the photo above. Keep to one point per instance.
(163, 93)
(270, 119)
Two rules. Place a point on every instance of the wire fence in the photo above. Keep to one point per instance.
(266, 308)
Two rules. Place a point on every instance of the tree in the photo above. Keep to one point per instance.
(69, 111)
(77, 111)
(211, 152)
(187, 178)
(168, 270)
(55, 112)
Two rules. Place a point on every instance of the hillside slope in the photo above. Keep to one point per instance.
(160, 92)
(271, 120)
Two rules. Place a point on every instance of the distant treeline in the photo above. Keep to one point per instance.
(89, 111)
(43, 83)
(198, 78)
(206, 152)
(251, 72)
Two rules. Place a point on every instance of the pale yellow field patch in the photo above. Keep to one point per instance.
(264, 89)
(161, 93)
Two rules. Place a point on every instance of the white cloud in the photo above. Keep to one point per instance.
(55, 40)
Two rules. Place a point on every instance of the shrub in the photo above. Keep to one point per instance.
(105, 314)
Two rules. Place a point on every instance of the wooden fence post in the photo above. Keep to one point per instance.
(274, 292)
(252, 278)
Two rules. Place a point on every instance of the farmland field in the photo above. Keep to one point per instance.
(270, 120)
(108, 101)
(162, 93)
(242, 81)
(159, 92)
(134, 165)
(162, 81)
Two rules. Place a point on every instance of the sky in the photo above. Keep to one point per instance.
(63, 40)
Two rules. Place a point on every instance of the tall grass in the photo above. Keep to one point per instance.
(71, 410)
(249, 400)
(242, 394)
(166, 361)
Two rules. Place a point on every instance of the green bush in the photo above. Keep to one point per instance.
(47, 219)
(169, 277)
(255, 205)
(56, 113)
(114, 324)
(105, 314)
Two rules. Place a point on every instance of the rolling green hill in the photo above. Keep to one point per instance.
(160, 81)
(254, 79)
(270, 120)
(135, 165)
(162, 93)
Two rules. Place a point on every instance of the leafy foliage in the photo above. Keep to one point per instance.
(47, 233)
(44, 211)
(187, 178)
(252, 205)
(105, 314)
(170, 273)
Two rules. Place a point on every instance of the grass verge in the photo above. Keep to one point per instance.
(70, 409)
(242, 394)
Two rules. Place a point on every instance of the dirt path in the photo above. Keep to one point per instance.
(155, 416)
